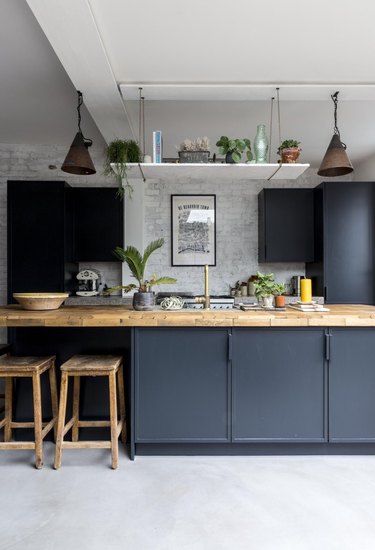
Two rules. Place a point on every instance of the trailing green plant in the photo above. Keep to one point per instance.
(236, 147)
(264, 285)
(137, 265)
(288, 144)
(120, 152)
(279, 289)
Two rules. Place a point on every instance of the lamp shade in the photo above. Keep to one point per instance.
(336, 161)
(78, 160)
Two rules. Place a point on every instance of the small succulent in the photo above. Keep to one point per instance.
(288, 144)
(198, 144)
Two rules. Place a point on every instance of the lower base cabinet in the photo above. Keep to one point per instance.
(279, 385)
(352, 386)
(181, 385)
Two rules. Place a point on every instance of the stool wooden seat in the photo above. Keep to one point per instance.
(28, 367)
(91, 365)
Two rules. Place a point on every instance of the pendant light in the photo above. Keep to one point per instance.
(336, 161)
(78, 160)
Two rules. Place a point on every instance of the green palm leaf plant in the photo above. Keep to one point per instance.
(137, 265)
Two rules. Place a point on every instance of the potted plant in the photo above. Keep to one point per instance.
(264, 288)
(196, 150)
(279, 293)
(118, 152)
(144, 299)
(233, 149)
(289, 151)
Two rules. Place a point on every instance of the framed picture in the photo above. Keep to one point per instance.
(193, 230)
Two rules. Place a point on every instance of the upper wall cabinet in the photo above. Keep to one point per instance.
(39, 251)
(286, 225)
(98, 223)
(343, 270)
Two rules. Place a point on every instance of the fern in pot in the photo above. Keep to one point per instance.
(144, 299)
(117, 154)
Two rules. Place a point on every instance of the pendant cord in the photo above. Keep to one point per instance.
(271, 122)
(335, 100)
(87, 141)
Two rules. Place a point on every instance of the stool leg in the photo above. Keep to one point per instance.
(61, 420)
(121, 392)
(8, 408)
(113, 418)
(37, 402)
(76, 388)
(53, 388)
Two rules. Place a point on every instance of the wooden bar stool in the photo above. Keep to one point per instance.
(91, 365)
(28, 367)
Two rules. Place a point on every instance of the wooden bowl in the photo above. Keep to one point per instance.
(40, 300)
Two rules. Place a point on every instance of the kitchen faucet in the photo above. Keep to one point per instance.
(205, 300)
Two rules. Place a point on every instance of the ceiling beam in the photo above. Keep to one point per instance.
(71, 29)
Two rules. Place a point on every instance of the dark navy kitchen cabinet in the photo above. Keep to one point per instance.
(286, 225)
(279, 385)
(182, 383)
(344, 265)
(39, 244)
(352, 385)
(98, 223)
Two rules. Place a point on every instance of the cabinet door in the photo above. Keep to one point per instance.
(181, 385)
(286, 225)
(278, 385)
(352, 385)
(349, 242)
(98, 224)
(36, 236)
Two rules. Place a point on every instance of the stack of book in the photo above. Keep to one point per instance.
(157, 147)
(308, 306)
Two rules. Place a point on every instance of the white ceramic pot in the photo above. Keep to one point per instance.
(267, 301)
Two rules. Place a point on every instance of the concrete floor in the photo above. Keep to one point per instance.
(187, 503)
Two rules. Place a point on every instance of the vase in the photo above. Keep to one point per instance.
(143, 301)
(290, 155)
(280, 301)
(267, 301)
(229, 158)
(197, 157)
(261, 145)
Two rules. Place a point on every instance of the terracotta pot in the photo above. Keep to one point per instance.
(290, 156)
(143, 301)
(280, 301)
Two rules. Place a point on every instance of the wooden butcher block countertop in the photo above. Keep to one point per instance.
(125, 316)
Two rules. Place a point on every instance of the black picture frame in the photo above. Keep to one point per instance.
(193, 245)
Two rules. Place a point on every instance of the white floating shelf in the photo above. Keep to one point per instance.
(219, 171)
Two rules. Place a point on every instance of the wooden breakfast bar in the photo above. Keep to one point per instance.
(220, 381)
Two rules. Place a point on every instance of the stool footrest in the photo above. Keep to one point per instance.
(94, 423)
(86, 444)
(20, 445)
(48, 427)
(68, 425)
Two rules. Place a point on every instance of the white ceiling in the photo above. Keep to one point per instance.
(247, 49)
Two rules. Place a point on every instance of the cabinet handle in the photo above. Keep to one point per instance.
(328, 347)
(230, 347)
(325, 292)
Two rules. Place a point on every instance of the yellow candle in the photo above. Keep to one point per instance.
(206, 280)
(306, 292)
